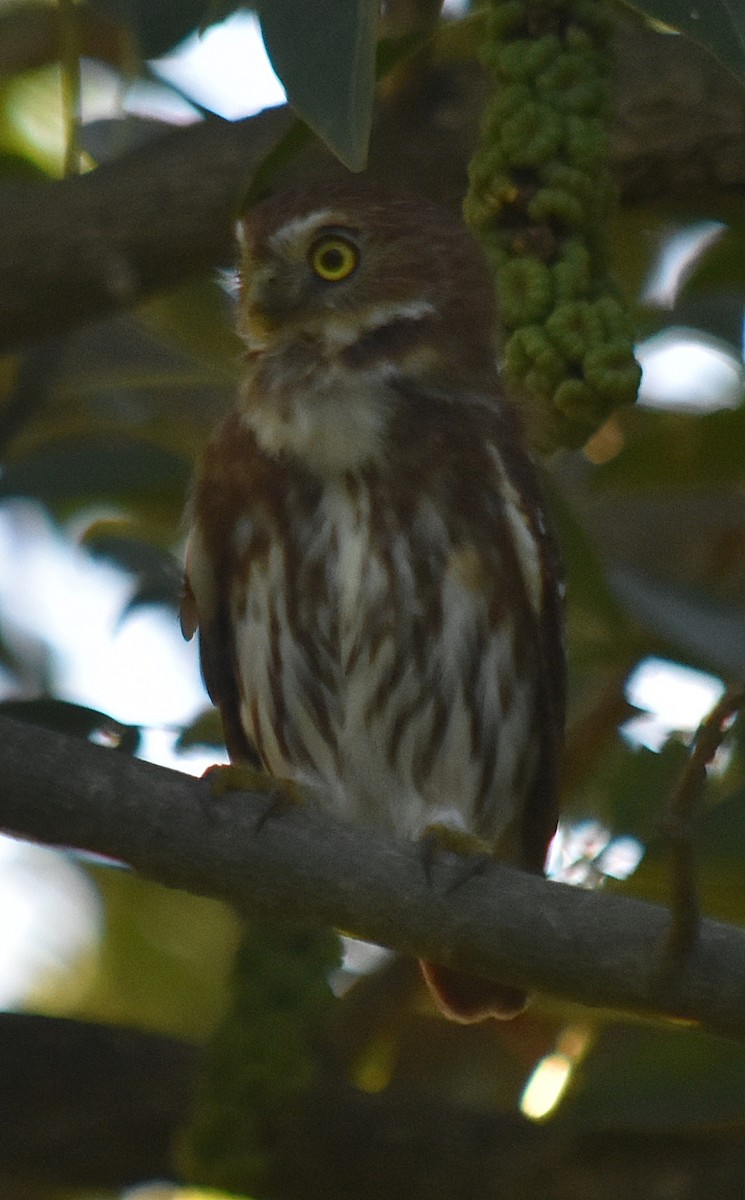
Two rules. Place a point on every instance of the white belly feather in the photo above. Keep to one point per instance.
(357, 769)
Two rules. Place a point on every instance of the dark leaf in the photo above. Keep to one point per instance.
(290, 144)
(706, 630)
(719, 25)
(64, 717)
(588, 589)
(76, 470)
(674, 451)
(717, 833)
(158, 574)
(89, 1104)
(630, 787)
(157, 24)
(206, 730)
(324, 53)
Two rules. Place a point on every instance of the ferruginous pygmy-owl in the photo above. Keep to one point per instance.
(369, 565)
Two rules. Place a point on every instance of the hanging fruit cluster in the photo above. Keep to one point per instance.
(264, 1056)
(540, 200)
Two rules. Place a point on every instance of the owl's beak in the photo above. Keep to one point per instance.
(255, 328)
(269, 299)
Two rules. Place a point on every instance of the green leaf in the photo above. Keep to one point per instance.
(164, 959)
(197, 318)
(71, 471)
(290, 144)
(158, 574)
(718, 25)
(587, 584)
(324, 53)
(206, 730)
(718, 832)
(629, 790)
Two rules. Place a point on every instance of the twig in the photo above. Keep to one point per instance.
(70, 75)
(680, 828)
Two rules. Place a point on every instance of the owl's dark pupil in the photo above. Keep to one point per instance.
(332, 260)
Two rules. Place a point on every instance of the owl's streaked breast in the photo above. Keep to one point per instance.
(368, 667)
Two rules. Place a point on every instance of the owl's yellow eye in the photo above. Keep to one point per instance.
(333, 258)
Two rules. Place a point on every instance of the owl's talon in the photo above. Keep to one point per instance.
(286, 795)
(473, 853)
(280, 794)
(476, 864)
(215, 791)
(237, 777)
(428, 847)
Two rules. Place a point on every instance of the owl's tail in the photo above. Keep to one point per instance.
(466, 998)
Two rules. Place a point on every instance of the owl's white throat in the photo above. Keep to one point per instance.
(333, 418)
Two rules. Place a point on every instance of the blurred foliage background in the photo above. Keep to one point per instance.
(111, 983)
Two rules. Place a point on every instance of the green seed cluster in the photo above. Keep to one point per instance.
(540, 200)
(264, 1056)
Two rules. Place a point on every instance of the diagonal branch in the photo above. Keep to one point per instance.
(76, 249)
(598, 949)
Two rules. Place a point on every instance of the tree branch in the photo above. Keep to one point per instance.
(599, 949)
(75, 249)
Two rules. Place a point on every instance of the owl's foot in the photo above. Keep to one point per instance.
(460, 997)
(475, 854)
(280, 794)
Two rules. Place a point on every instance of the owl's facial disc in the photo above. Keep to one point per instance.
(296, 276)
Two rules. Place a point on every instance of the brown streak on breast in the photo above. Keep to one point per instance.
(425, 757)
(256, 733)
(276, 673)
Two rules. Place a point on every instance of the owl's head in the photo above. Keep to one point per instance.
(365, 272)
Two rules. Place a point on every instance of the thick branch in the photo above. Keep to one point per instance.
(595, 948)
(80, 248)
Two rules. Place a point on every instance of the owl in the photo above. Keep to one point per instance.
(369, 565)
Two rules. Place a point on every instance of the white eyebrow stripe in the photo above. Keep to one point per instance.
(299, 227)
(343, 329)
(389, 311)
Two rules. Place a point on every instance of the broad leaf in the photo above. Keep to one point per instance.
(206, 730)
(158, 574)
(324, 53)
(719, 25)
(67, 472)
(666, 451)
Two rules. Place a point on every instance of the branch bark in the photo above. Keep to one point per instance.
(75, 249)
(597, 949)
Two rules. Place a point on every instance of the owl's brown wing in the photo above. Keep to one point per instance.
(542, 808)
(540, 814)
(485, 443)
(216, 657)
